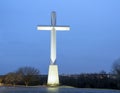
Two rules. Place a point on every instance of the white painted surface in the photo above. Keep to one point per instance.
(53, 78)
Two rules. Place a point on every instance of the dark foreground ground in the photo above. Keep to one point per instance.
(61, 89)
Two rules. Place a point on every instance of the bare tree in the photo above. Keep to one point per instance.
(28, 74)
(12, 78)
(116, 71)
(116, 67)
(1, 81)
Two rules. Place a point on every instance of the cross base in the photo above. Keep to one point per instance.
(53, 77)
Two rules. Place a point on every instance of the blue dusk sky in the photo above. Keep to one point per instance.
(92, 44)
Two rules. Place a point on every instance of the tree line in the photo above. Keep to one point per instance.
(30, 76)
(93, 80)
(23, 76)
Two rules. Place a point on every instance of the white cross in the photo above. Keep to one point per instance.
(53, 27)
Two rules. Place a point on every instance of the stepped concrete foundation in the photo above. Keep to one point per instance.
(53, 77)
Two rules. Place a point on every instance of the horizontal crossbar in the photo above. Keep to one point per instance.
(60, 28)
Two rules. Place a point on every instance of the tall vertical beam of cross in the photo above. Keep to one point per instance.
(53, 27)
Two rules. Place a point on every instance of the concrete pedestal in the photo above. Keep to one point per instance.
(53, 77)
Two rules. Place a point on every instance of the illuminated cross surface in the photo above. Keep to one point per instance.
(53, 77)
